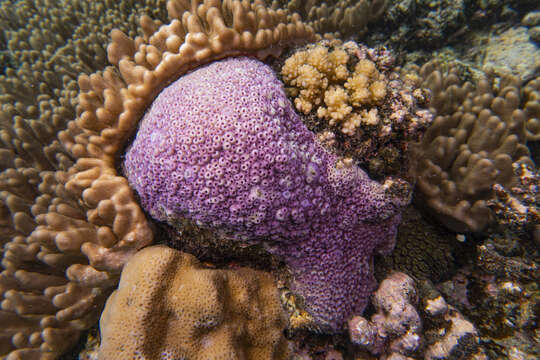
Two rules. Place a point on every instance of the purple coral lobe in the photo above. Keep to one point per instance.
(241, 159)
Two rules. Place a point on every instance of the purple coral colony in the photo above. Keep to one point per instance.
(224, 147)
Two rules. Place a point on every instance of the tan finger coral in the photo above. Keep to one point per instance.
(475, 137)
(531, 107)
(169, 306)
(343, 17)
(68, 221)
(51, 289)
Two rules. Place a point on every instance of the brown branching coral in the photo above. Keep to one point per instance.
(531, 107)
(168, 303)
(476, 136)
(343, 17)
(68, 221)
(56, 263)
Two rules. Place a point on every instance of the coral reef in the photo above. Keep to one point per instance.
(341, 17)
(69, 222)
(169, 306)
(516, 209)
(501, 296)
(447, 333)
(396, 328)
(431, 24)
(353, 91)
(471, 145)
(426, 23)
(512, 52)
(223, 147)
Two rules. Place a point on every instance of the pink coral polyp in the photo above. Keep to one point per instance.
(223, 147)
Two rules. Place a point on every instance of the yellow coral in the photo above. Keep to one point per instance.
(336, 100)
(377, 90)
(320, 81)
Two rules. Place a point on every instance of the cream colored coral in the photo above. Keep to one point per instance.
(336, 100)
(320, 81)
(169, 306)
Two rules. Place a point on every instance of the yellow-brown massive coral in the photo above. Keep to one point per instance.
(69, 222)
(476, 136)
(169, 306)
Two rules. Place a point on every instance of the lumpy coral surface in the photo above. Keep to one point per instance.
(222, 146)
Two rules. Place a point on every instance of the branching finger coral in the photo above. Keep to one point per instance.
(531, 107)
(477, 135)
(354, 92)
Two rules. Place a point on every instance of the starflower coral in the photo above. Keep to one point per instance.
(222, 146)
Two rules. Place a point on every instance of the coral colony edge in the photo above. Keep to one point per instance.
(251, 180)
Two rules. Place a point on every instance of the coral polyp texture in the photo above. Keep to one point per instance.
(168, 306)
(477, 134)
(353, 92)
(222, 146)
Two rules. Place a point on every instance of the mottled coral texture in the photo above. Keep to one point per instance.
(168, 306)
(223, 146)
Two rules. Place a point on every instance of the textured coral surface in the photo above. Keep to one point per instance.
(224, 147)
(168, 306)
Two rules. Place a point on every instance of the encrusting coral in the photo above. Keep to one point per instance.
(168, 306)
(352, 91)
(69, 221)
(396, 328)
(223, 147)
(414, 321)
(476, 136)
